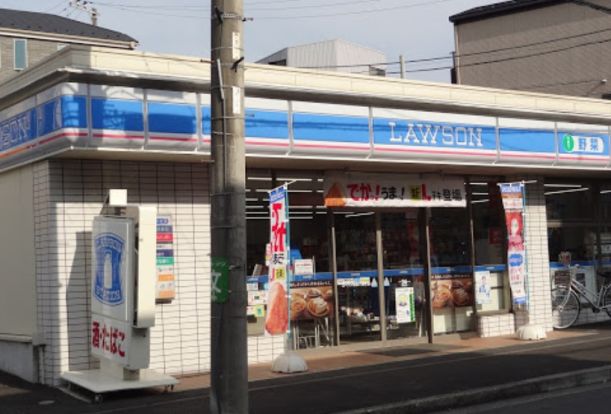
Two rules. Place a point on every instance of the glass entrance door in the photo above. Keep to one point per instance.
(357, 277)
(403, 275)
(451, 282)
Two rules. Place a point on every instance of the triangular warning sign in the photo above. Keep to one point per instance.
(335, 197)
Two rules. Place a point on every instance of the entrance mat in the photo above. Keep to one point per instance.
(411, 350)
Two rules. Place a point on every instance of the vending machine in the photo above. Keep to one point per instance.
(123, 290)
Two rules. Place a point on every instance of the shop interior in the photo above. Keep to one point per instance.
(360, 266)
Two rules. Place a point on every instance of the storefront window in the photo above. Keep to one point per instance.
(312, 283)
(357, 276)
(568, 201)
(403, 272)
(451, 273)
(572, 227)
(491, 284)
(605, 227)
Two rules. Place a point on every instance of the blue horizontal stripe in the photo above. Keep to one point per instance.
(172, 118)
(74, 111)
(391, 273)
(331, 128)
(117, 114)
(527, 140)
(266, 124)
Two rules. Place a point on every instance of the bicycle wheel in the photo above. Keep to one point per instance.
(607, 301)
(565, 307)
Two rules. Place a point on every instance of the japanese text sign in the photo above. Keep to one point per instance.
(110, 339)
(387, 190)
(276, 321)
(513, 202)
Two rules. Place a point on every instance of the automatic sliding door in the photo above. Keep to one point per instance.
(357, 277)
(451, 273)
(403, 275)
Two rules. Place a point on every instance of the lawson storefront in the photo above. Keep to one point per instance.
(397, 225)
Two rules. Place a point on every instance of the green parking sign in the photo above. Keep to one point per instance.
(220, 280)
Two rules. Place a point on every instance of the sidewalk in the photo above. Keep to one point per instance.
(341, 380)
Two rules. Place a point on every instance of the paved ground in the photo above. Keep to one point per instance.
(592, 399)
(344, 380)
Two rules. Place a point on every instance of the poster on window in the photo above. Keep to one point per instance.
(451, 290)
(483, 291)
(404, 300)
(512, 195)
(277, 316)
(312, 300)
(389, 190)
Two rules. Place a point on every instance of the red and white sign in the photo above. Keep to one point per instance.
(110, 339)
(512, 195)
(277, 316)
(388, 190)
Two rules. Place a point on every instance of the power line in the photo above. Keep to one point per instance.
(383, 9)
(462, 55)
(547, 52)
(54, 7)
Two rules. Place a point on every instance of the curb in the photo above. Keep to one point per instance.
(462, 399)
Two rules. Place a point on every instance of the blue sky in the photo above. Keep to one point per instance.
(414, 28)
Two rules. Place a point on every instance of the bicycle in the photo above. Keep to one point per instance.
(566, 298)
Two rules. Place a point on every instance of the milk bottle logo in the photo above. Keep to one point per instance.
(108, 286)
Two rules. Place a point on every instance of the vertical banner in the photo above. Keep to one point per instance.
(166, 280)
(512, 195)
(277, 316)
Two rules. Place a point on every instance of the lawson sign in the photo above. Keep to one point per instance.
(151, 120)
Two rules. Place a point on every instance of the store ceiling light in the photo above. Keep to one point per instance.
(605, 191)
(572, 190)
(259, 178)
(478, 183)
(307, 180)
(479, 194)
(480, 201)
(563, 185)
(359, 214)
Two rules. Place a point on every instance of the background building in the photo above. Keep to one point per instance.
(335, 55)
(28, 37)
(550, 46)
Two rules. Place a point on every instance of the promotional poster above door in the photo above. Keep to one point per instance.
(389, 190)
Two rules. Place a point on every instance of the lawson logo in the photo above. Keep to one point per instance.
(582, 144)
(108, 287)
(436, 134)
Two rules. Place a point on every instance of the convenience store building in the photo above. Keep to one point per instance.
(90, 119)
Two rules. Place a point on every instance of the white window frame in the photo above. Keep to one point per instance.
(25, 41)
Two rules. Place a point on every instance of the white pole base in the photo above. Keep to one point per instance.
(289, 363)
(531, 332)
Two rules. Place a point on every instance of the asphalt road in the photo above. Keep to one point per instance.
(337, 391)
(593, 399)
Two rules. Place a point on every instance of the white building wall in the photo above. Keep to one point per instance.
(17, 255)
(69, 194)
